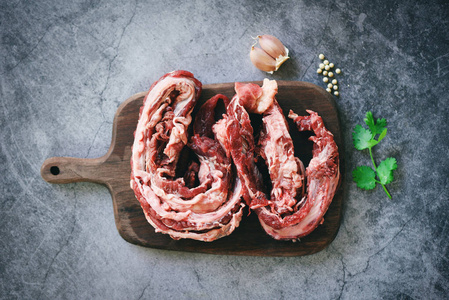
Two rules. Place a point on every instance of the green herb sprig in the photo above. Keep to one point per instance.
(363, 138)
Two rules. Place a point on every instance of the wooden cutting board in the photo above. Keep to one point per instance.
(113, 170)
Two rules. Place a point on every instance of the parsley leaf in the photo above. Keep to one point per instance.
(382, 135)
(376, 127)
(365, 177)
(363, 138)
(385, 170)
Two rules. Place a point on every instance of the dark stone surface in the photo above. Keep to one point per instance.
(66, 66)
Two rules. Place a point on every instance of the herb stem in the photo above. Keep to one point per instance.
(375, 168)
(386, 191)
(372, 159)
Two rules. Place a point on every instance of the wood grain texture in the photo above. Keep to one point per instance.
(113, 170)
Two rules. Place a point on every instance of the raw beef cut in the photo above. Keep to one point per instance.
(287, 210)
(203, 200)
(194, 181)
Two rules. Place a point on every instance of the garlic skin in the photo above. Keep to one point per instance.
(271, 54)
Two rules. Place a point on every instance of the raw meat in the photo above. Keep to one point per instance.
(205, 203)
(204, 198)
(290, 211)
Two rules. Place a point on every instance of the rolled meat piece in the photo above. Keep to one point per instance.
(288, 211)
(202, 202)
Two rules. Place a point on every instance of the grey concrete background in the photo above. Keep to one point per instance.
(67, 65)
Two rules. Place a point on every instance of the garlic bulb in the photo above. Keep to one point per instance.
(271, 54)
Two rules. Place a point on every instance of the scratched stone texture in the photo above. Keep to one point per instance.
(67, 65)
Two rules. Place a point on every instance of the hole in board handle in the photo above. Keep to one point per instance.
(54, 170)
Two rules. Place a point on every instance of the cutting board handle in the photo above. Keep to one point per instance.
(71, 169)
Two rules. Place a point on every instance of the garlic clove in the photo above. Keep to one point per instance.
(273, 46)
(262, 60)
(270, 47)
